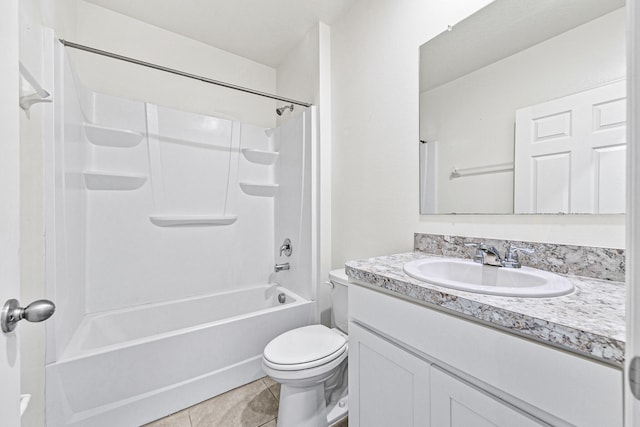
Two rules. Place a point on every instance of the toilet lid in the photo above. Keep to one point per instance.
(304, 345)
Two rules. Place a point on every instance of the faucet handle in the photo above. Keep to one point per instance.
(512, 251)
(286, 247)
(478, 256)
(511, 258)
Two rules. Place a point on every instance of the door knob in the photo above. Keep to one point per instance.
(12, 313)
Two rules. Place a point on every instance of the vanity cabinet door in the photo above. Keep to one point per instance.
(455, 403)
(388, 386)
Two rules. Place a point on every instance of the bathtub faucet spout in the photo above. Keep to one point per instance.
(280, 267)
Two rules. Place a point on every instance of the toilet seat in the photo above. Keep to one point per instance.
(304, 348)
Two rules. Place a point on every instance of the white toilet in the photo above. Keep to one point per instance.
(310, 363)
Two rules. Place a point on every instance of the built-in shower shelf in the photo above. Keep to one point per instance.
(100, 180)
(112, 137)
(261, 190)
(260, 156)
(192, 220)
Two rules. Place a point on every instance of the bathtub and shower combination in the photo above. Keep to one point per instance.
(166, 298)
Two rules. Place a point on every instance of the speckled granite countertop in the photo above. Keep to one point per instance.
(590, 321)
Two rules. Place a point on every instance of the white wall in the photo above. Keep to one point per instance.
(92, 25)
(96, 27)
(375, 140)
(486, 100)
(297, 76)
(61, 15)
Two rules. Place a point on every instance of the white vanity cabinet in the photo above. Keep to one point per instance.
(392, 385)
(410, 365)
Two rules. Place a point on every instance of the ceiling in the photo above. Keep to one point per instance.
(263, 31)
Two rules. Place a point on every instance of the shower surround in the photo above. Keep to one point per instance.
(162, 233)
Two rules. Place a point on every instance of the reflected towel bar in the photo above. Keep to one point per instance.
(481, 170)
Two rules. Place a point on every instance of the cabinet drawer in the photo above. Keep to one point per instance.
(455, 403)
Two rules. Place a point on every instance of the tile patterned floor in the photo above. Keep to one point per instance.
(252, 405)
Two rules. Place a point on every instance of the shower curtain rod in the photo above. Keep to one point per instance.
(180, 73)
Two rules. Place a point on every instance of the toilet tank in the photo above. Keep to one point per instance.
(339, 292)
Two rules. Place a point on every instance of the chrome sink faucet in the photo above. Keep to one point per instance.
(489, 255)
(486, 255)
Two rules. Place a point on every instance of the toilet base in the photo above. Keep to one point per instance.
(316, 415)
(302, 406)
(308, 406)
(338, 411)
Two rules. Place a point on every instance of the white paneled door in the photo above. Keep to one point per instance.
(9, 208)
(632, 403)
(570, 153)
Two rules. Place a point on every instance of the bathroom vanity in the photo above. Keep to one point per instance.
(420, 354)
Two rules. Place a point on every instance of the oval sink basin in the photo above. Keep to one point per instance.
(470, 276)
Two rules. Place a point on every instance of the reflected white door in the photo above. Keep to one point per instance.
(9, 208)
(570, 153)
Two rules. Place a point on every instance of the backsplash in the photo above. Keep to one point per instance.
(585, 261)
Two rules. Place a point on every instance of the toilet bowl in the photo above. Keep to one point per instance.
(310, 363)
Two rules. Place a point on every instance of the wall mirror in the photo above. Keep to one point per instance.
(523, 110)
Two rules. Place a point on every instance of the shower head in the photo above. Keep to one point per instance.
(281, 110)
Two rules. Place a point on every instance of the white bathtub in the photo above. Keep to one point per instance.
(128, 367)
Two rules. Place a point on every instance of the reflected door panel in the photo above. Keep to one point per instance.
(570, 153)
